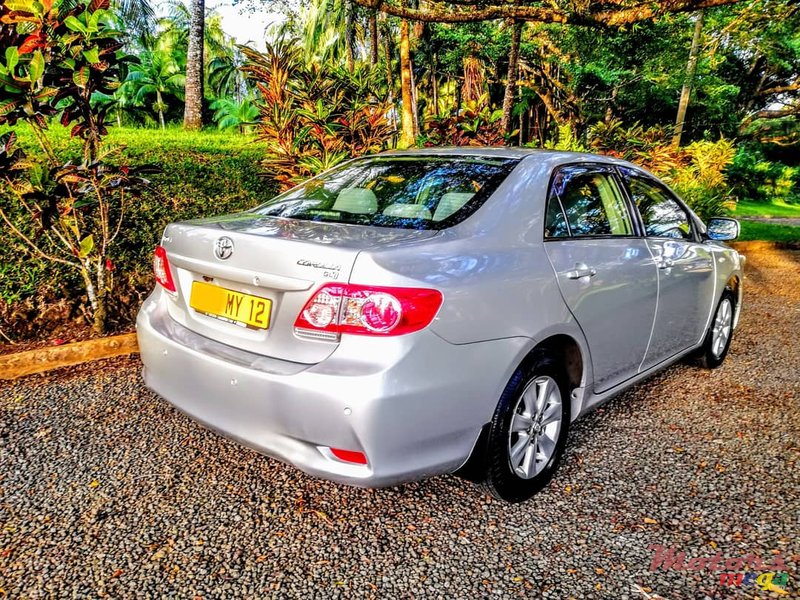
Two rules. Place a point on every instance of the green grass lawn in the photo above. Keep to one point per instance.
(773, 210)
(200, 174)
(759, 230)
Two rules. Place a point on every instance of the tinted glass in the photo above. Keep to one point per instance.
(555, 223)
(592, 203)
(661, 214)
(418, 192)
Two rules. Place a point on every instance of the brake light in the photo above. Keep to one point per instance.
(368, 310)
(162, 271)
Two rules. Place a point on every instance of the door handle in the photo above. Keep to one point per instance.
(665, 263)
(581, 270)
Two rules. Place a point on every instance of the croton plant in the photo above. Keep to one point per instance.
(54, 54)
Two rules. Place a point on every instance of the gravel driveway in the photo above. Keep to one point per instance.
(776, 220)
(107, 491)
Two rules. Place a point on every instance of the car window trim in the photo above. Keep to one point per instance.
(604, 167)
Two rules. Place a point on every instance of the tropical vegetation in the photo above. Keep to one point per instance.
(96, 95)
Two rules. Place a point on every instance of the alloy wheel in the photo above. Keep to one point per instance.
(535, 427)
(721, 330)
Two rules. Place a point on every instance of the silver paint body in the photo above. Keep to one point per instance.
(415, 404)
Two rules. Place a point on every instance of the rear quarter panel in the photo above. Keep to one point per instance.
(491, 269)
(730, 264)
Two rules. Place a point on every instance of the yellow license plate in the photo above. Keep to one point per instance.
(231, 306)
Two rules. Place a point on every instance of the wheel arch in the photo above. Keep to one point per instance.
(734, 285)
(569, 349)
(566, 349)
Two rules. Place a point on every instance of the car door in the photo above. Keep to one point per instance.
(605, 271)
(685, 268)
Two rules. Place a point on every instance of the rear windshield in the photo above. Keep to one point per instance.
(408, 192)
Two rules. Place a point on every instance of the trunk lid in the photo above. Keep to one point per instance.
(281, 260)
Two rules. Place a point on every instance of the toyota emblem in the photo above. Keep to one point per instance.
(223, 248)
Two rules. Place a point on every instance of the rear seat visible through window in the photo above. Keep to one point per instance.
(359, 201)
(451, 203)
(407, 211)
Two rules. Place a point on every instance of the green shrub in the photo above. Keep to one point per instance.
(201, 174)
(697, 172)
(753, 177)
(314, 116)
(701, 180)
(476, 124)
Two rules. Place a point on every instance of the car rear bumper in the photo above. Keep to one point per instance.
(413, 404)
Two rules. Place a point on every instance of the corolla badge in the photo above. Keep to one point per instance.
(223, 248)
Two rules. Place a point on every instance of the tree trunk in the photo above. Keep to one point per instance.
(511, 80)
(408, 135)
(387, 56)
(349, 34)
(100, 310)
(193, 113)
(96, 298)
(373, 39)
(160, 104)
(434, 85)
(611, 103)
(99, 318)
(414, 102)
(686, 92)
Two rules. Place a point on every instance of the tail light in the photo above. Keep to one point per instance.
(368, 310)
(162, 271)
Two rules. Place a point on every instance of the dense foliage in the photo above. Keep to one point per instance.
(91, 92)
(208, 173)
(312, 116)
(64, 213)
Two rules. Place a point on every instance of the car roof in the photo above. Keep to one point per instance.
(553, 156)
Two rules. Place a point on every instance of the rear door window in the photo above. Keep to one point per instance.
(586, 201)
(409, 192)
(661, 214)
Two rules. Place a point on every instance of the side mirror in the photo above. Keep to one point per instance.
(722, 229)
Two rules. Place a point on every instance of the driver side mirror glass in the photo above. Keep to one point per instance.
(722, 229)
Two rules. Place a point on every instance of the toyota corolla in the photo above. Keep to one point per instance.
(423, 312)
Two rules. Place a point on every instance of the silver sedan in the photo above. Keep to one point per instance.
(424, 312)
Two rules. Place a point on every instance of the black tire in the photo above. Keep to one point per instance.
(710, 356)
(501, 480)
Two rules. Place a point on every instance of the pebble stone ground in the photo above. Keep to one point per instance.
(106, 491)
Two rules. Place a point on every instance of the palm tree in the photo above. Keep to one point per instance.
(118, 103)
(222, 58)
(193, 113)
(175, 31)
(137, 17)
(156, 74)
(225, 77)
(331, 31)
(230, 113)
